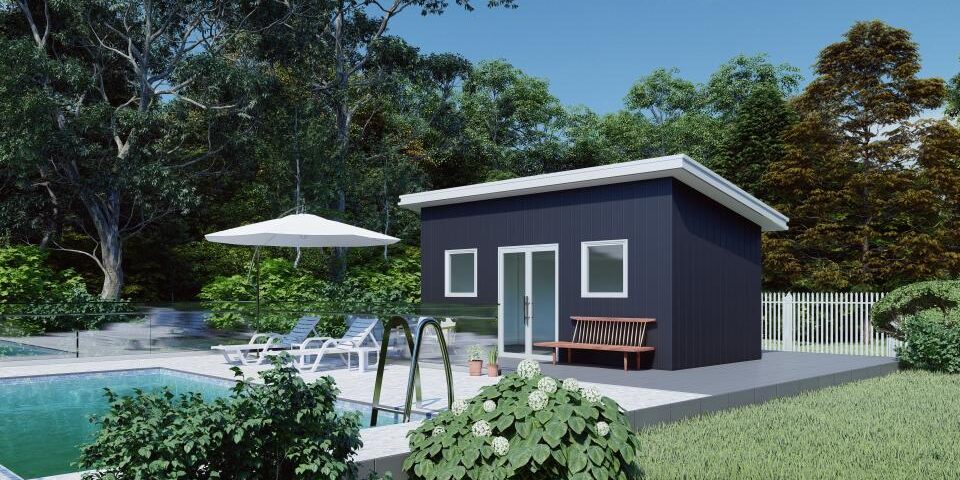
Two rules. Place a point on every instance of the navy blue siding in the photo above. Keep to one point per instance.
(716, 283)
(663, 269)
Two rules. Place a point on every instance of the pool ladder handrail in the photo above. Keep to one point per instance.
(413, 381)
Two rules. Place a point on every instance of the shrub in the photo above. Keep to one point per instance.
(527, 426)
(936, 295)
(283, 429)
(930, 342)
(35, 299)
(926, 317)
(287, 292)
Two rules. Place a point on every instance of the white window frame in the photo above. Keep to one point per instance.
(446, 273)
(585, 269)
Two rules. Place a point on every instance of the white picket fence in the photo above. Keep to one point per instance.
(834, 322)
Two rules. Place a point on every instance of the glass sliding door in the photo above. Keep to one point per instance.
(543, 315)
(513, 303)
(528, 299)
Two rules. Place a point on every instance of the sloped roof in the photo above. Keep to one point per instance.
(680, 167)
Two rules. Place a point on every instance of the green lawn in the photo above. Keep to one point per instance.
(905, 425)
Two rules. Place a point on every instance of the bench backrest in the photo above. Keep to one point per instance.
(610, 330)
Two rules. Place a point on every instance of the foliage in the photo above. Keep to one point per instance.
(871, 193)
(286, 293)
(35, 299)
(493, 355)
(926, 316)
(839, 432)
(118, 148)
(931, 342)
(527, 426)
(953, 97)
(283, 429)
(474, 353)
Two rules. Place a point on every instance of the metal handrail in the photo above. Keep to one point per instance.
(413, 380)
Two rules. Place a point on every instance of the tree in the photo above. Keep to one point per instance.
(512, 119)
(754, 139)
(138, 94)
(953, 97)
(859, 181)
(351, 32)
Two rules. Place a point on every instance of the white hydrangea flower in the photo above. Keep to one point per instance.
(482, 429)
(603, 428)
(458, 407)
(571, 385)
(489, 406)
(547, 385)
(591, 394)
(528, 369)
(500, 446)
(437, 431)
(537, 400)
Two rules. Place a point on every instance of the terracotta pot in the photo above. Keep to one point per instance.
(476, 368)
(493, 370)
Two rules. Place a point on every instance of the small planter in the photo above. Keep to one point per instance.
(493, 370)
(476, 368)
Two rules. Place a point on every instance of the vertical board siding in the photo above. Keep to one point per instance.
(637, 211)
(823, 322)
(716, 281)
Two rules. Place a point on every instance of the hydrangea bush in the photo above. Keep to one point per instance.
(527, 426)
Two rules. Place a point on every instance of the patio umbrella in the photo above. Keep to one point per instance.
(299, 230)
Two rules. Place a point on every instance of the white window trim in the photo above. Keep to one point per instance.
(585, 269)
(446, 273)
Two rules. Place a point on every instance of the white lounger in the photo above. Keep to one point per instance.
(254, 352)
(353, 341)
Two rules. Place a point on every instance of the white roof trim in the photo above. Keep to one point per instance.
(681, 167)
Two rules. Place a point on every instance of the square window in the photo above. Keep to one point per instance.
(460, 273)
(603, 269)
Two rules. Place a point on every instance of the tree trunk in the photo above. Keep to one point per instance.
(105, 214)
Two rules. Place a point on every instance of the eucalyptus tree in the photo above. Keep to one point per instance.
(137, 96)
(512, 119)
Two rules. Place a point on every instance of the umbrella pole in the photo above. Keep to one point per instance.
(256, 256)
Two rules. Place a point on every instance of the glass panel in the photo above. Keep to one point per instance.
(461, 273)
(605, 268)
(544, 295)
(514, 290)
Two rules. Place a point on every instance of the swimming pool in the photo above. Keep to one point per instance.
(16, 349)
(44, 419)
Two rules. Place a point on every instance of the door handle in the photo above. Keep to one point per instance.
(526, 308)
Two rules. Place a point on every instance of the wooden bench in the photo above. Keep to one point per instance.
(607, 334)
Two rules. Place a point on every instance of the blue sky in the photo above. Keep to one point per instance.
(591, 51)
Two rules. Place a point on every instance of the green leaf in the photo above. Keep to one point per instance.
(541, 453)
(577, 424)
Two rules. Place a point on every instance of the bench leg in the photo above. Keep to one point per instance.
(625, 356)
(569, 355)
(638, 360)
(554, 355)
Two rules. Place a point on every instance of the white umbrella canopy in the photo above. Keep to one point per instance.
(301, 230)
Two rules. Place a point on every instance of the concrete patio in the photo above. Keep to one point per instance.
(648, 396)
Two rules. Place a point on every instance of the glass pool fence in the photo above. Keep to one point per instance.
(44, 331)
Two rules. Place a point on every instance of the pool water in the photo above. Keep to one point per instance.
(44, 419)
(14, 349)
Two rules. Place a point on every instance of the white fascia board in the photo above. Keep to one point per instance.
(681, 167)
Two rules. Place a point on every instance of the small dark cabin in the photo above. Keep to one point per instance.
(664, 238)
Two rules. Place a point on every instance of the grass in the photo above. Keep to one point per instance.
(905, 425)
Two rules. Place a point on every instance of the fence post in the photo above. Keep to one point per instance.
(891, 347)
(786, 315)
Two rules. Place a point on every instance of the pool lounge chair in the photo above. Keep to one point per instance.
(355, 340)
(254, 351)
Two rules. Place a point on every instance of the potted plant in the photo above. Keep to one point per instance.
(475, 356)
(493, 368)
